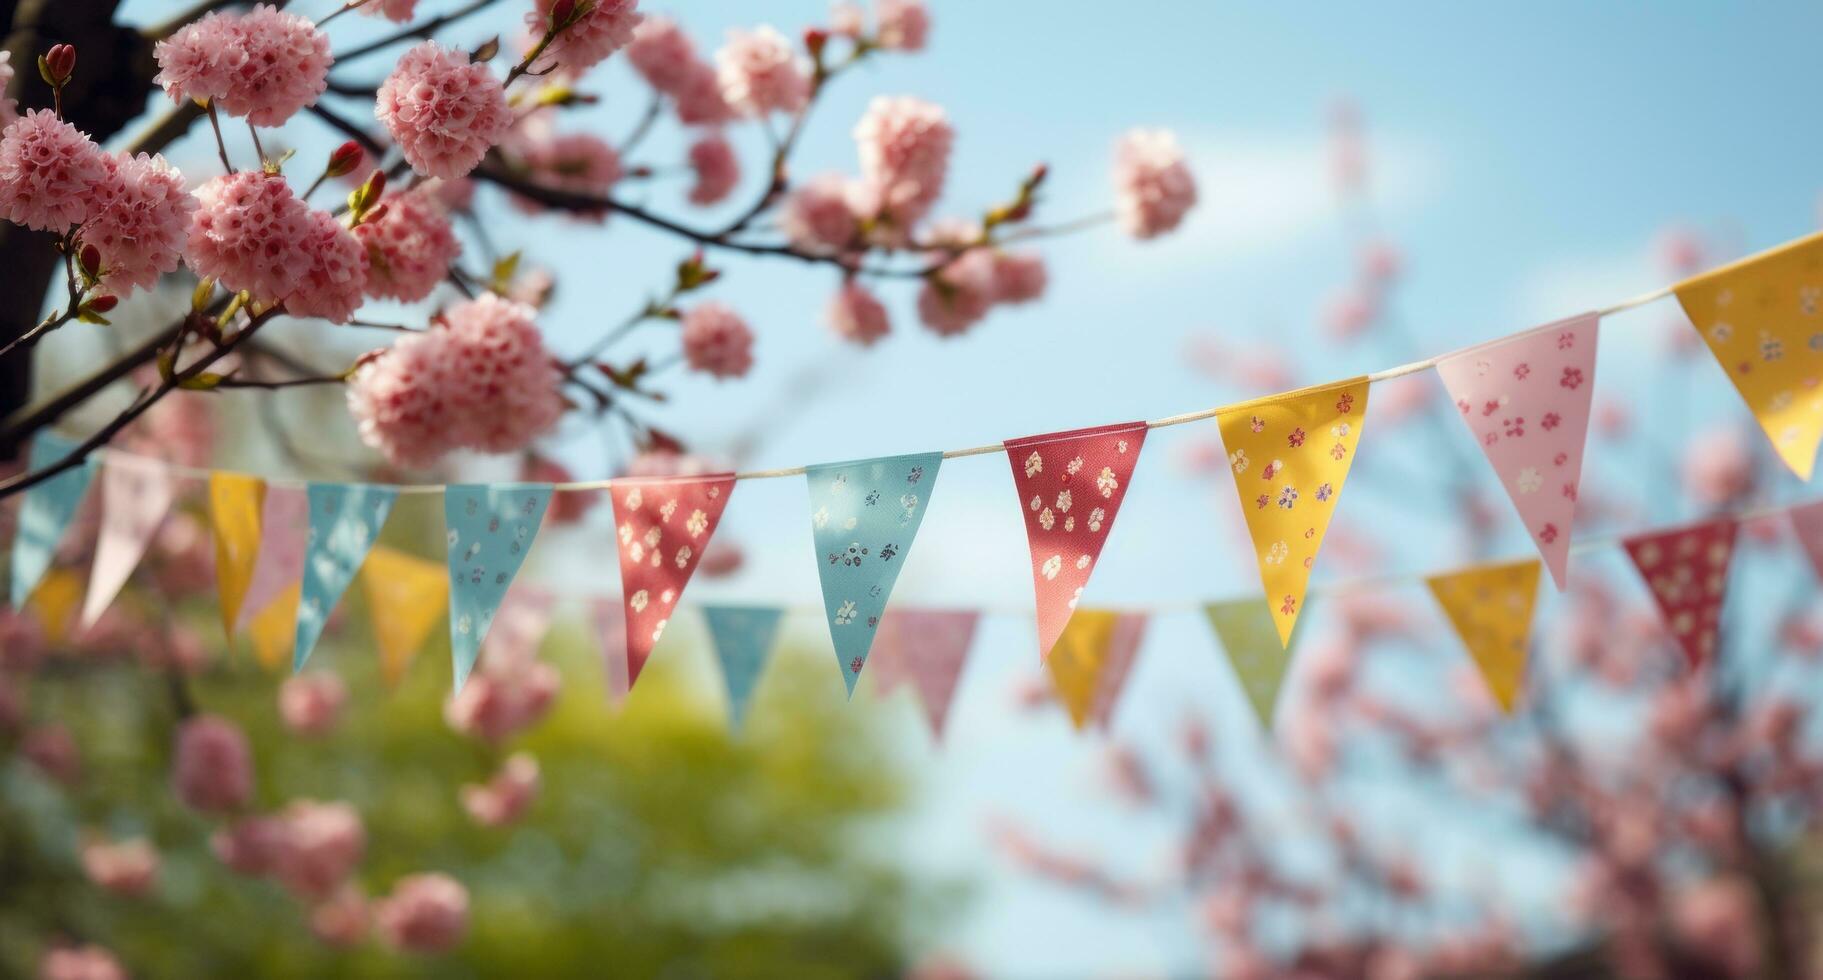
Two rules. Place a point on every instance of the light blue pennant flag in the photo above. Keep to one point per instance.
(863, 516)
(743, 638)
(46, 512)
(345, 519)
(490, 529)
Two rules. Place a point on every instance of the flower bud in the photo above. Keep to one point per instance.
(90, 260)
(345, 158)
(102, 304)
(486, 51)
(814, 40)
(561, 12)
(57, 65)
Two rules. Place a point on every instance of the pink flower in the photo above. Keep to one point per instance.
(504, 798)
(128, 868)
(723, 557)
(80, 963)
(904, 24)
(247, 233)
(202, 60)
(1019, 277)
(759, 73)
(816, 217)
(1572, 378)
(956, 298)
(409, 247)
(662, 54)
(332, 271)
(698, 97)
(717, 169)
(605, 27)
(397, 11)
(904, 146)
(504, 384)
(495, 704)
(249, 846)
(457, 194)
(311, 703)
(444, 112)
(213, 771)
(52, 176)
(285, 68)
(426, 913)
(341, 920)
(855, 314)
(847, 20)
(1718, 468)
(717, 341)
(581, 163)
(319, 846)
(402, 400)
(1153, 186)
(142, 229)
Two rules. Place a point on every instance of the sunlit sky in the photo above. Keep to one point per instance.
(1524, 162)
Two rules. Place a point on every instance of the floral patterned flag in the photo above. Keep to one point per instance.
(1687, 571)
(406, 598)
(46, 513)
(1807, 521)
(1071, 485)
(284, 534)
(925, 649)
(1762, 318)
(1250, 638)
(663, 525)
(235, 500)
(1526, 400)
(489, 530)
(272, 628)
(136, 495)
(863, 518)
(345, 518)
(1491, 608)
(742, 637)
(611, 627)
(1090, 663)
(1290, 455)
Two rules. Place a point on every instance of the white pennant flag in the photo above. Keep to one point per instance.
(135, 496)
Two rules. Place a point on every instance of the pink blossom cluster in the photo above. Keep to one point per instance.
(581, 163)
(213, 767)
(503, 799)
(959, 294)
(1153, 186)
(397, 11)
(426, 913)
(142, 230)
(905, 147)
(761, 74)
(311, 703)
(127, 868)
(442, 110)
(666, 58)
(265, 64)
(900, 25)
(603, 27)
(52, 176)
(250, 232)
(309, 847)
(410, 246)
(499, 701)
(80, 963)
(717, 341)
(716, 167)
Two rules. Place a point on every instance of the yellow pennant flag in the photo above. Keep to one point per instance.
(1090, 662)
(1491, 608)
(1762, 317)
(273, 629)
(235, 501)
(1290, 455)
(55, 601)
(406, 599)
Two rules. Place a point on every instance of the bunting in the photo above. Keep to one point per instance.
(663, 525)
(1071, 485)
(135, 496)
(278, 562)
(45, 514)
(742, 637)
(1290, 455)
(272, 628)
(1090, 663)
(345, 519)
(1491, 608)
(54, 602)
(925, 649)
(611, 627)
(1687, 570)
(864, 516)
(406, 599)
(1250, 638)
(1762, 318)
(1807, 522)
(1526, 402)
(490, 529)
(235, 501)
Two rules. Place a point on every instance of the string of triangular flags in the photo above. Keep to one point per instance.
(287, 554)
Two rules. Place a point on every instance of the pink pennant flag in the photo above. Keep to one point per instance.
(136, 495)
(663, 525)
(1807, 521)
(1687, 571)
(1526, 399)
(926, 650)
(1070, 485)
(1123, 647)
(284, 533)
(520, 623)
(611, 627)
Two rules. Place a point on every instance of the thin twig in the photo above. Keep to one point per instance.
(419, 32)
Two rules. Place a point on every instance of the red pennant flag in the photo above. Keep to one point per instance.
(663, 525)
(1687, 571)
(1070, 485)
(1808, 522)
(1123, 647)
(926, 650)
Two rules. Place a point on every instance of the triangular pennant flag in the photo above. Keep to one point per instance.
(1089, 664)
(1290, 455)
(54, 602)
(1807, 521)
(1250, 639)
(742, 636)
(1762, 318)
(663, 525)
(1491, 608)
(345, 520)
(490, 529)
(235, 501)
(611, 628)
(1071, 485)
(46, 512)
(279, 560)
(1526, 401)
(272, 628)
(925, 649)
(1687, 571)
(136, 495)
(863, 518)
(406, 597)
